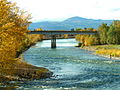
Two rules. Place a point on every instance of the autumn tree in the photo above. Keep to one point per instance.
(33, 38)
(87, 40)
(13, 27)
(11, 17)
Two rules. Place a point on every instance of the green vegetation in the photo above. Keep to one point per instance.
(107, 38)
(114, 33)
(13, 41)
(106, 35)
(103, 30)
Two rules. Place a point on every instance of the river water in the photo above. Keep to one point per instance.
(73, 68)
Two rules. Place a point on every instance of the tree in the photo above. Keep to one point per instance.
(78, 29)
(11, 17)
(88, 40)
(114, 33)
(103, 29)
(91, 29)
(13, 27)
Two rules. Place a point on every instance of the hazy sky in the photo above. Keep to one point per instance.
(42, 10)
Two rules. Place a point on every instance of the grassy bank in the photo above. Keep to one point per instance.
(110, 51)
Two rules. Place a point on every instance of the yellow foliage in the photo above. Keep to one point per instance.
(112, 52)
(13, 27)
(87, 40)
(65, 35)
(14, 40)
(34, 38)
(10, 44)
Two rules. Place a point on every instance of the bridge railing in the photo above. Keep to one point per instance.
(61, 32)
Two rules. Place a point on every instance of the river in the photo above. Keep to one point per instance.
(73, 68)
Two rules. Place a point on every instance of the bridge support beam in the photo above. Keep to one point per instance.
(53, 41)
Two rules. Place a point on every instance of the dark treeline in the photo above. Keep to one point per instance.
(106, 35)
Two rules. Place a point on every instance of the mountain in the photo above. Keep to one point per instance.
(68, 24)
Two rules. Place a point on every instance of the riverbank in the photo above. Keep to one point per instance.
(12, 65)
(19, 70)
(109, 51)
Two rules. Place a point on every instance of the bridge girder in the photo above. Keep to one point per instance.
(54, 33)
(62, 32)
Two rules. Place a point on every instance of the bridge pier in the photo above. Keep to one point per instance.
(53, 41)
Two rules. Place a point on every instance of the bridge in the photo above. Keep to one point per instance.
(54, 33)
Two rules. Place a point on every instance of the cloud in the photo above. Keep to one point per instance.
(61, 9)
(115, 9)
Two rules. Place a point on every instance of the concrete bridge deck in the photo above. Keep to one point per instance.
(54, 33)
(61, 32)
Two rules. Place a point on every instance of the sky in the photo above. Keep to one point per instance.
(58, 10)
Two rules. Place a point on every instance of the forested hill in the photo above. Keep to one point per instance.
(73, 22)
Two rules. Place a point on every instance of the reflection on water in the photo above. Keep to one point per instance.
(73, 68)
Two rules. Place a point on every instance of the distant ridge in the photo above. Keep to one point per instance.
(68, 24)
